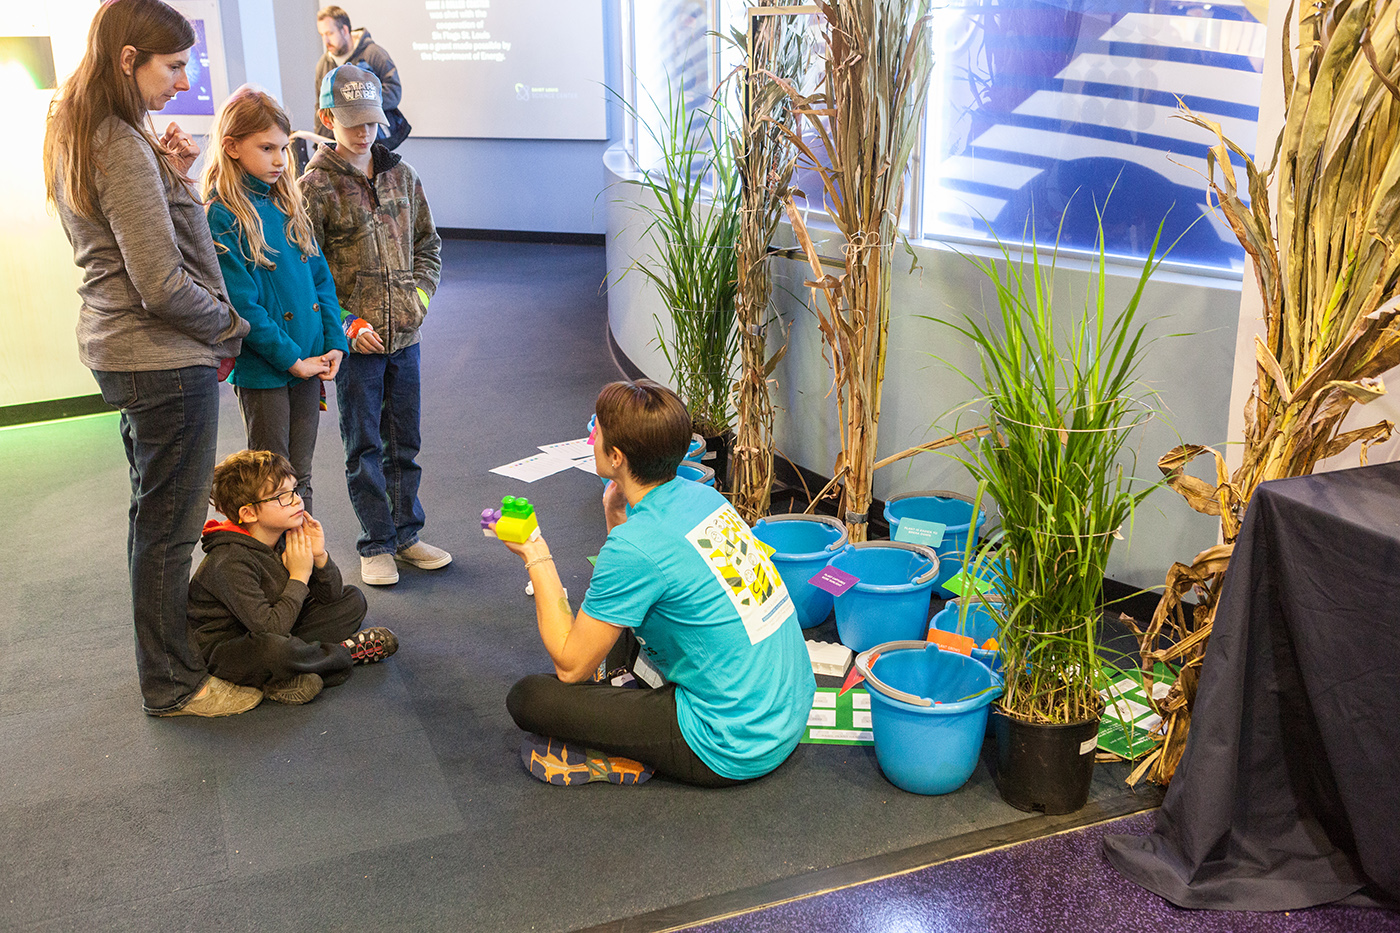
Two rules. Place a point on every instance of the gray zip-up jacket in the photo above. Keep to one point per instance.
(153, 296)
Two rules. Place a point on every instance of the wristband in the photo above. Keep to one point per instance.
(538, 560)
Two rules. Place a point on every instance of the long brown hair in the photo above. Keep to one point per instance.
(99, 89)
(249, 111)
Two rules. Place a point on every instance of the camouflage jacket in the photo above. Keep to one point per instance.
(378, 238)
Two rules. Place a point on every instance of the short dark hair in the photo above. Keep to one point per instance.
(333, 12)
(648, 423)
(241, 479)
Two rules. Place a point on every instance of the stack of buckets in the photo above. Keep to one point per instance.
(928, 707)
(691, 468)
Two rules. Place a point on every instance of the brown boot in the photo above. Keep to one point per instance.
(218, 698)
(295, 691)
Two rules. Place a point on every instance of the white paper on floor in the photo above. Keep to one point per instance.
(532, 468)
(574, 450)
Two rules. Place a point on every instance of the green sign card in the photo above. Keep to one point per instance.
(842, 719)
(917, 531)
(958, 583)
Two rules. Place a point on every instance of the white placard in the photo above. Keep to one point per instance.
(574, 450)
(532, 468)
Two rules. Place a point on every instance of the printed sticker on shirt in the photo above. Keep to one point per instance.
(748, 576)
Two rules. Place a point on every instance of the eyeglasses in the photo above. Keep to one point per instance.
(283, 499)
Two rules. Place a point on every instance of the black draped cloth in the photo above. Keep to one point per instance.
(1288, 794)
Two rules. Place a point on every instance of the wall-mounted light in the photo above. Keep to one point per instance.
(26, 63)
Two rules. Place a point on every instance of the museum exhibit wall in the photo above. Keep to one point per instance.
(548, 186)
(535, 185)
(38, 280)
(1192, 375)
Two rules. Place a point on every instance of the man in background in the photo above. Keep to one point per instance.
(354, 46)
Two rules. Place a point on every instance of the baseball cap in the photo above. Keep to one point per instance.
(353, 94)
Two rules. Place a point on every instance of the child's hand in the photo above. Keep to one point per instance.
(316, 536)
(305, 369)
(332, 360)
(368, 342)
(296, 556)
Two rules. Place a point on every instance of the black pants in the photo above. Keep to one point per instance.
(637, 724)
(257, 659)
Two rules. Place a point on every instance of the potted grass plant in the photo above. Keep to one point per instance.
(1058, 399)
(693, 225)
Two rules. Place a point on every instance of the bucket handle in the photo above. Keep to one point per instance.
(922, 550)
(836, 523)
(863, 664)
(990, 508)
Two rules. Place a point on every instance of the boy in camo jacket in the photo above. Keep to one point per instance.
(376, 231)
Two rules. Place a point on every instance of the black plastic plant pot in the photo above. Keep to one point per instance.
(716, 457)
(1044, 768)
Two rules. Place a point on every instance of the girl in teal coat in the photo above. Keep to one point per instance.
(277, 279)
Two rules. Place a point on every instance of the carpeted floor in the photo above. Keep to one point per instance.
(396, 801)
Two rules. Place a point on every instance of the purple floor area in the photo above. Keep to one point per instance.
(1049, 885)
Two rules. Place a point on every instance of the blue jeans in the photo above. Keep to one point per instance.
(378, 398)
(169, 424)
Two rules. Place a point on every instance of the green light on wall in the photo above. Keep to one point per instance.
(26, 63)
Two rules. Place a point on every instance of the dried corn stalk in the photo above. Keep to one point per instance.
(865, 120)
(765, 161)
(1328, 270)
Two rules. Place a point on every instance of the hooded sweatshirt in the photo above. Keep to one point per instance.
(241, 586)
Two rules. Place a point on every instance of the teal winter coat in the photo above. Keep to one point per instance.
(292, 309)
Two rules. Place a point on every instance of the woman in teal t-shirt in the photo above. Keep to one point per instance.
(684, 573)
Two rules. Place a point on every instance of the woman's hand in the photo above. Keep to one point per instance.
(332, 360)
(180, 146)
(614, 505)
(305, 369)
(526, 550)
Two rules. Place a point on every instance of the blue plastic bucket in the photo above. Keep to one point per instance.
(697, 472)
(928, 710)
(890, 603)
(950, 509)
(803, 545)
(697, 448)
(981, 624)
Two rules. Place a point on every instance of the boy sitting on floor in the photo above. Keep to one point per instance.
(267, 604)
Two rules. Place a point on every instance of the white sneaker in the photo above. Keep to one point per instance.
(423, 556)
(379, 570)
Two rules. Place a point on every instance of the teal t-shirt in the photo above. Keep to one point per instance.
(686, 574)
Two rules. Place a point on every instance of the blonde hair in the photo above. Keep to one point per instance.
(249, 111)
(99, 89)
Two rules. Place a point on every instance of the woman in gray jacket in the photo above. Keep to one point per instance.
(155, 323)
